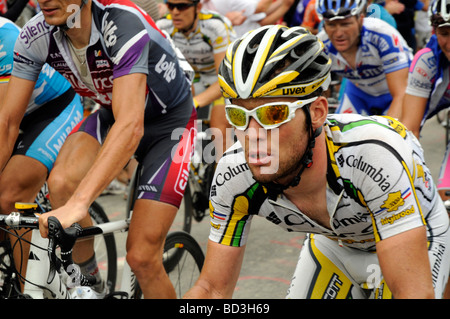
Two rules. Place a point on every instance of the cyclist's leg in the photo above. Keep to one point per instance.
(73, 162)
(321, 272)
(350, 102)
(148, 228)
(44, 131)
(355, 100)
(165, 160)
(20, 181)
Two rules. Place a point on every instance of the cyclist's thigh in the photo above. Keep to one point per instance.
(20, 181)
(81, 146)
(321, 272)
(165, 153)
(357, 101)
(444, 173)
(46, 129)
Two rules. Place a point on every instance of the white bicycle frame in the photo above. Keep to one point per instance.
(36, 285)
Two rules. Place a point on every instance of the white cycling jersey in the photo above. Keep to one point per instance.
(213, 34)
(378, 186)
(382, 50)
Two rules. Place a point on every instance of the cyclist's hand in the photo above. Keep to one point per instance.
(67, 216)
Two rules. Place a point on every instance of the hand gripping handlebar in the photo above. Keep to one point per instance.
(66, 239)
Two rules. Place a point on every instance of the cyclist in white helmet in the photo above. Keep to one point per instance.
(375, 225)
(369, 53)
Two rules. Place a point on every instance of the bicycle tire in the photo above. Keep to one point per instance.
(99, 216)
(192, 258)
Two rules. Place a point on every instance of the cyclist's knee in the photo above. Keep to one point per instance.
(61, 184)
(144, 260)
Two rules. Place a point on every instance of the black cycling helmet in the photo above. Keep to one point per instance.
(439, 13)
(339, 9)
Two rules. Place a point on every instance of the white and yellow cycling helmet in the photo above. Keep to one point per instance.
(274, 61)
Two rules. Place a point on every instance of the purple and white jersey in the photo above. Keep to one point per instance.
(124, 40)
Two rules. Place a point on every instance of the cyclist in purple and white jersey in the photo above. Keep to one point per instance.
(31, 136)
(369, 53)
(112, 52)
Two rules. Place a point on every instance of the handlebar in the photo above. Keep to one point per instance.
(58, 236)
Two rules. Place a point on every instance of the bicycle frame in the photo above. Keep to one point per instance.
(39, 282)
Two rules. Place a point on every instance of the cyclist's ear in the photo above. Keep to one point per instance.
(319, 111)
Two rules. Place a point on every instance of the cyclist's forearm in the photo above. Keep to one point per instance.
(208, 96)
(128, 105)
(14, 97)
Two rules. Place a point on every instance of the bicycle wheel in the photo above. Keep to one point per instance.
(182, 272)
(186, 271)
(105, 248)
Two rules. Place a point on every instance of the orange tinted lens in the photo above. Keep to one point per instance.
(272, 114)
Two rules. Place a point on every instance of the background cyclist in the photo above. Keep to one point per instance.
(112, 52)
(203, 37)
(369, 53)
(428, 90)
(346, 180)
(31, 135)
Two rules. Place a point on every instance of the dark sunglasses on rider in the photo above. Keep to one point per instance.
(179, 6)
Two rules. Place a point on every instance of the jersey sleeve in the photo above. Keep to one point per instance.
(390, 178)
(422, 73)
(31, 49)
(126, 37)
(230, 199)
(392, 48)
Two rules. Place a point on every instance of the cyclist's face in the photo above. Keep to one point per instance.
(443, 37)
(182, 17)
(273, 154)
(56, 12)
(344, 33)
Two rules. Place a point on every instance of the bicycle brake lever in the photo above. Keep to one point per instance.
(54, 229)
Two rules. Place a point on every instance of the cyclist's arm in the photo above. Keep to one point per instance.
(220, 272)
(405, 265)
(213, 92)
(263, 6)
(397, 82)
(14, 97)
(276, 11)
(412, 112)
(128, 105)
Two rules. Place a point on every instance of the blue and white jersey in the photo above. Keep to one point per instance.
(50, 84)
(382, 50)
